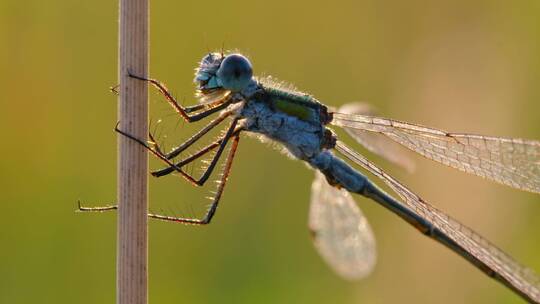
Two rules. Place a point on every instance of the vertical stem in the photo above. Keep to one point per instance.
(132, 252)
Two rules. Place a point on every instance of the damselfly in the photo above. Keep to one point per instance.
(300, 123)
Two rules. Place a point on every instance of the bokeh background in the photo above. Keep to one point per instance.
(459, 65)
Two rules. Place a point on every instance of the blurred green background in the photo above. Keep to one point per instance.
(459, 65)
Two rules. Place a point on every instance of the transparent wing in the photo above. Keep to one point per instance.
(340, 231)
(375, 142)
(519, 277)
(509, 161)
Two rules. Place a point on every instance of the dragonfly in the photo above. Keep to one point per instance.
(301, 124)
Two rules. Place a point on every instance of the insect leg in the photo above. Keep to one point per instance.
(155, 153)
(206, 174)
(213, 207)
(184, 111)
(176, 151)
(162, 172)
(81, 208)
(196, 155)
(215, 201)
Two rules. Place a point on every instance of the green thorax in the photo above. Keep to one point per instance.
(297, 104)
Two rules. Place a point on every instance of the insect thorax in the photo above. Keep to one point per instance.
(294, 120)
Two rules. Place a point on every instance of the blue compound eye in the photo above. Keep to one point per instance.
(235, 72)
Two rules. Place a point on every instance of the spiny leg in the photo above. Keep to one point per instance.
(156, 153)
(209, 109)
(80, 208)
(207, 172)
(213, 207)
(176, 151)
(188, 109)
(181, 163)
(114, 89)
(194, 156)
(204, 177)
(215, 201)
(185, 161)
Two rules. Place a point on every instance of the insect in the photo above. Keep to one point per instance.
(300, 123)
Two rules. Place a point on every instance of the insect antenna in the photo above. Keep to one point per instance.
(223, 49)
(206, 44)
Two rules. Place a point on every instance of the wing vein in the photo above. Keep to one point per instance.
(512, 273)
(512, 162)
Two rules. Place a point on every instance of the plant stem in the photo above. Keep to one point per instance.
(132, 237)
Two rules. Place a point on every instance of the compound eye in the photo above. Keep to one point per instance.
(235, 72)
